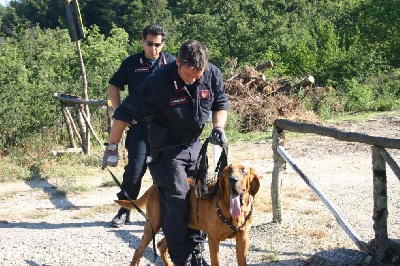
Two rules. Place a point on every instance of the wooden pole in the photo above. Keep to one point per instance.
(109, 115)
(392, 163)
(91, 128)
(85, 134)
(337, 134)
(75, 130)
(382, 243)
(278, 138)
(339, 218)
(82, 128)
(72, 100)
(68, 124)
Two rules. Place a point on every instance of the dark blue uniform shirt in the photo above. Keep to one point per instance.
(183, 109)
(135, 68)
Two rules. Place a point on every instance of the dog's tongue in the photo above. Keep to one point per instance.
(234, 206)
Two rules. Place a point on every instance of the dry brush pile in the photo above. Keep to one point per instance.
(258, 102)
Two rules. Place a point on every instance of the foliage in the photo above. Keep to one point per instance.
(334, 40)
(102, 57)
(359, 97)
(37, 63)
(351, 45)
(386, 88)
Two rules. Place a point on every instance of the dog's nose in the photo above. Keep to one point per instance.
(233, 179)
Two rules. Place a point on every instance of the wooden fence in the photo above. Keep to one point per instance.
(84, 128)
(383, 250)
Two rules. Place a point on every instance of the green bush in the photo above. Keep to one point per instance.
(386, 87)
(360, 97)
(37, 63)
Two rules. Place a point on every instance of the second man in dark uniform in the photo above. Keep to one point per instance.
(133, 70)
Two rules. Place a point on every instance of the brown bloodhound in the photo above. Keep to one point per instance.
(225, 214)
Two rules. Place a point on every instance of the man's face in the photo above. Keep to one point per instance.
(152, 46)
(188, 74)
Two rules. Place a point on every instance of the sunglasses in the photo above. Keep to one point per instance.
(148, 43)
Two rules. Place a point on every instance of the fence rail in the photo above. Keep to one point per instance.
(383, 250)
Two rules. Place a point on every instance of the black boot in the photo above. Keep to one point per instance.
(122, 217)
(197, 260)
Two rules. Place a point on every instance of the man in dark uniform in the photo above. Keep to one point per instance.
(133, 70)
(181, 96)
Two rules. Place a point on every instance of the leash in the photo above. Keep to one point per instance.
(202, 167)
(123, 190)
(138, 209)
(222, 162)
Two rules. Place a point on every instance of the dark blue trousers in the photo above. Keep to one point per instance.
(170, 171)
(137, 146)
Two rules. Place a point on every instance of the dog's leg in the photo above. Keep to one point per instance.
(242, 245)
(163, 248)
(146, 239)
(213, 244)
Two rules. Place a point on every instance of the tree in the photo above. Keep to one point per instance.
(379, 24)
(37, 63)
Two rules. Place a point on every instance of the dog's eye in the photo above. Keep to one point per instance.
(243, 171)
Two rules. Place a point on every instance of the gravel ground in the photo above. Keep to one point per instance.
(39, 228)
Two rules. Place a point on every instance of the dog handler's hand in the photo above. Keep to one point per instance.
(110, 157)
(217, 136)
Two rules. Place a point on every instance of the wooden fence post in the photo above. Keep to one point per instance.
(386, 251)
(278, 138)
(75, 130)
(68, 124)
(382, 243)
(110, 112)
(82, 128)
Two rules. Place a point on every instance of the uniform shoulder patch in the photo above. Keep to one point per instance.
(204, 94)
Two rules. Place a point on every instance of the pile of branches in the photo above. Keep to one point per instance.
(258, 102)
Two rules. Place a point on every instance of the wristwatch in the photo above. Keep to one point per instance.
(111, 147)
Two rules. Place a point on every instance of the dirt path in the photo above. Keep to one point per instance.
(38, 226)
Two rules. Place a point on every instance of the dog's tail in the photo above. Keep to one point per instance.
(140, 202)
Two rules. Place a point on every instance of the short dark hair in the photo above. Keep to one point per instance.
(153, 30)
(193, 54)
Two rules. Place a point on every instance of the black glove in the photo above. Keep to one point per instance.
(110, 157)
(217, 136)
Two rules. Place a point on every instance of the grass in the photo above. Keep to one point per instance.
(39, 214)
(271, 256)
(33, 158)
(95, 210)
(108, 183)
(11, 170)
(365, 116)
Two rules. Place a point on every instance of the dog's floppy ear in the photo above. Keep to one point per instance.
(254, 182)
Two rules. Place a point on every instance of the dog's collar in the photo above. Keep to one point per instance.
(226, 221)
